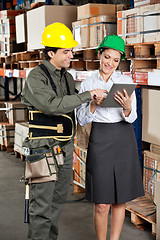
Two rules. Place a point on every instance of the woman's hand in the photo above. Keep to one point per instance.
(125, 101)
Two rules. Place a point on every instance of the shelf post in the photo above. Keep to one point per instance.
(6, 88)
(138, 124)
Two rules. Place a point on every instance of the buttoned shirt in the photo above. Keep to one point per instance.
(102, 114)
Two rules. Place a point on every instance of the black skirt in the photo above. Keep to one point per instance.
(113, 173)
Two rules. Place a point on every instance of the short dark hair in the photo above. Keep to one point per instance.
(48, 49)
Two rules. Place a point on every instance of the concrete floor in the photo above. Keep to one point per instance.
(75, 223)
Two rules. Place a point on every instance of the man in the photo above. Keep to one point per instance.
(50, 91)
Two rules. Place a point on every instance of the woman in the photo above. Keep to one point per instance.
(113, 174)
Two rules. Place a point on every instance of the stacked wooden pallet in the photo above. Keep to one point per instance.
(143, 209)
(16, 112)
(87, 59)
(22, 60)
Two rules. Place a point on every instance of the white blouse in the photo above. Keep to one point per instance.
(104, 115)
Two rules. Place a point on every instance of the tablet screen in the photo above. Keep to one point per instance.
(110, 101)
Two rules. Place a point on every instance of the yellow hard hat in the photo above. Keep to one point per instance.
(58, 35)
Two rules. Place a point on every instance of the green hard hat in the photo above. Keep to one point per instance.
(114, 42)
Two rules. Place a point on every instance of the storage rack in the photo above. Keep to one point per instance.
(7, 74)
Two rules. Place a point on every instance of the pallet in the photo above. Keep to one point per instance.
(146, 56)
(78, 189)
(140, 208)
(19, 155)
(7, 149)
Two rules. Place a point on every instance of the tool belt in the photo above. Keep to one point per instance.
(60, 128)
(43, 162)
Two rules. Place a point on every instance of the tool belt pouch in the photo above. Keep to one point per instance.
(43, 162)
(44, 126)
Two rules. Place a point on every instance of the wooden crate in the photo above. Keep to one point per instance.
(151, 163)
(21, 132)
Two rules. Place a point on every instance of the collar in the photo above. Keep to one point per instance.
(53, 70)
(112, 77)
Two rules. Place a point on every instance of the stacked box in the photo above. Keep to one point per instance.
(151, 163)
(155, 149)
(89, 32)
(17, 112)
(9, 13)
(82, 134)
(92, 9)
(21, 132)
(80, 166)
(158, 211)
(81, 33)
(3, 117)
(138, 25)
(150, 116)
(39, 18)
(7, 134)
(139, 3)
(21, 28)
(128, 25)
(8, 32)
(100, 27)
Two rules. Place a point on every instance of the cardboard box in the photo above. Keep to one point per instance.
(39, 18)
(81, 33)
(151, 163)
(21, 132)
(150, 23)
(82, 134)
(92, 9)
(139, 24)
(100, 27)
(158, 210)
(21, 28)
(150, 116)
(3, 117)
(76, 27)
(10, 13)
(7, 134)
(17, 113)
(139, 3)
(129, 25)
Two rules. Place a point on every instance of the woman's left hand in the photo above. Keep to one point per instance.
(125, 101)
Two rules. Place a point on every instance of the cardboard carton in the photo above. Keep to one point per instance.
(39, 18)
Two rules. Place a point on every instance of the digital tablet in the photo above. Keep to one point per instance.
(110, 101)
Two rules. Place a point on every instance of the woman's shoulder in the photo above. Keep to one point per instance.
(89, 81)
(122, 78)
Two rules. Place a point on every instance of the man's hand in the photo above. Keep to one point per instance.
(98, 94)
